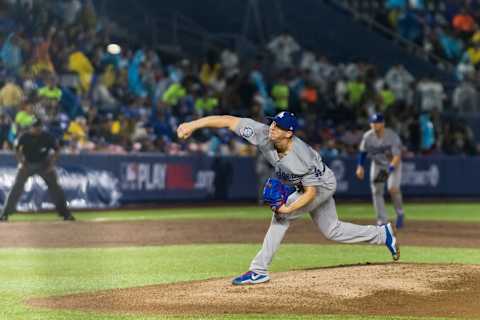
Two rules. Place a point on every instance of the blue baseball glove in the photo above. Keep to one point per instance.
(275, 193)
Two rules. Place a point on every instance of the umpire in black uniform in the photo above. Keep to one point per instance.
(37, 152)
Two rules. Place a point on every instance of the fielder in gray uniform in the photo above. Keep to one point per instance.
(383, 146)
(296, 164)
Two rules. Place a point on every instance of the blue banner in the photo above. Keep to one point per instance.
(100, 181)
(105, 181)
(434, 176)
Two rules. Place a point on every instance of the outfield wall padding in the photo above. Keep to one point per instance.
(103, 181)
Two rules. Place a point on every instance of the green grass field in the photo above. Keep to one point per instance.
(30, 272)
(427, 211)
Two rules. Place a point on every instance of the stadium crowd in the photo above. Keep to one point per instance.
(450, 29)
(55, 66)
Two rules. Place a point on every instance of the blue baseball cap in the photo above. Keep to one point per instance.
(376, 118)
(285, 120)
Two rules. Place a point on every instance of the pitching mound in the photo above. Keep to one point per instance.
(393, 289)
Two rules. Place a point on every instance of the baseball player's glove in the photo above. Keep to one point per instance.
(381, 177)
(275, 193)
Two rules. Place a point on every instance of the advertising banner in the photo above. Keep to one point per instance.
(108, 181)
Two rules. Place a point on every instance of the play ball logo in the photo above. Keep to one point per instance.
(247, 132)
(412, 176)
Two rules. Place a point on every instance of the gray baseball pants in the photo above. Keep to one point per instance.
(324, 214)
(378, 191)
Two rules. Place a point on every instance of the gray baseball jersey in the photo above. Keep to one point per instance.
(302, 165)
(381, 150)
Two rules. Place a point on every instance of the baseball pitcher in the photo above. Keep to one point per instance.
(383, 146)
(304, 185)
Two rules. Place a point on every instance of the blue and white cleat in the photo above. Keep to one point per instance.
(250, 277)
(391, 242)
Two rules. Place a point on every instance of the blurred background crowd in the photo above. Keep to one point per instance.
(57, 63)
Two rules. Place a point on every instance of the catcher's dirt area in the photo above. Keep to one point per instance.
(374, 289)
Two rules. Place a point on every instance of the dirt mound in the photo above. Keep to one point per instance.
(381, 289)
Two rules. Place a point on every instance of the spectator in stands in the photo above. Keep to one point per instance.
(50, 95)
(464, 23)
(472, 55)
(431, 94)
(386, 98)
(309, 97)
(11, 96)
(464, 70)
(452, 48)
(427, 133)
(135, 81)
(261, 95)
(341, 92)
(174, 93)
(41, 60)
(78, 62)
(29, 84)
(282, 48)
(465, 98)
(229, 63)
(206, 103)
(323, 73)
(219, 83)
(356, 90)
(77, 136)
(400, 81)
(121, 94)
(11, 54)
(409, 26)
(23, 120)
(210, 69)
(308, 60)
(280, 93)
(102, 98)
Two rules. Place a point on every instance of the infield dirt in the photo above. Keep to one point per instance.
(60, 234)
(372, 289)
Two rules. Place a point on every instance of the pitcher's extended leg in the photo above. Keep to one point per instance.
(326, 219)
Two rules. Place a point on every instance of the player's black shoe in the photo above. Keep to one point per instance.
(69, 218)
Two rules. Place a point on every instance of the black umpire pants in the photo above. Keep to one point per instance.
(49, 175)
